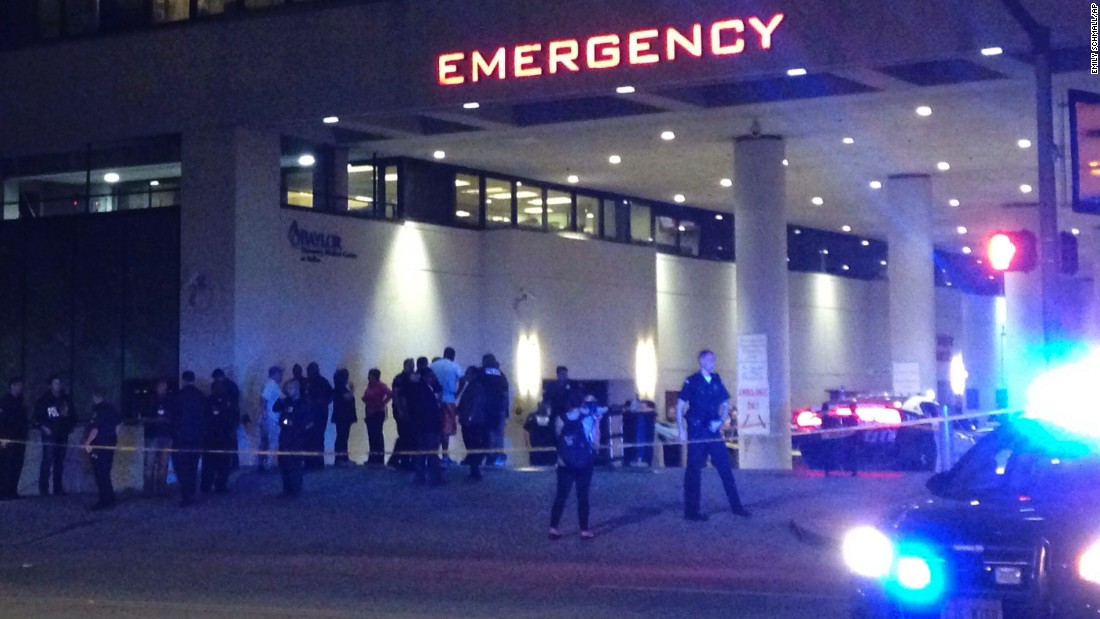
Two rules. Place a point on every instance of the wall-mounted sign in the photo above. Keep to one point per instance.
(753, 389)
(648, 46)
(316, 245)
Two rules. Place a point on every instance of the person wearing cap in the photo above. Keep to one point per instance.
(223, 415)
(188, 433)
(13, 436)
(100, 445)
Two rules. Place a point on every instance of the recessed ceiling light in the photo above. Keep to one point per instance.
(961, 230)
(679, 198)
(1023, 143)
(726, 182)
(590, 215)
(615, 159)
(154, 183)
(352, 168)
(682, 229)
(786, 163)
(882, 262)
(625, 90)
(1025, 188)
(845, 228)
(954, 202)
(330, 120)
(719, 217)
(845, 267)
(111, 177)
(865, 242)
(796, 72)
(306, 160)
(992, 51)
(573, 178)
(967, 250)
(924, 110)
(824, 252)
(817, 200)
(849, 140)
(876, 184)
(471, 105)
(462, 213)
(1075, 231)
(797, 231)
(439, 154)
(668, 136)
(943, 166)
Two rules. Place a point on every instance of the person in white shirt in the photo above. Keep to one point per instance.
(448, 372)
(269, 420)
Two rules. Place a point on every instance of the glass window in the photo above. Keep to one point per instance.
(665, 233)
(393, 197)
(361, 182)
(588, 215)
(498, 202)
(170, 10)
(559, 210)
(615, 216)
(690, 233)
(297, 183)
(467, 200)
(530, 208)
(641, 223)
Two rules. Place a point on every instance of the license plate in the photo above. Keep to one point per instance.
(973, 609)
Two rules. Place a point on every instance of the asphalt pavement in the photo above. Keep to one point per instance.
(369, 543)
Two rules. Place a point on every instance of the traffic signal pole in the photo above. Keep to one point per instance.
(1049, 251)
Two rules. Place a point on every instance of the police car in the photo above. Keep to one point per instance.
(881, 442)
(1011, 531)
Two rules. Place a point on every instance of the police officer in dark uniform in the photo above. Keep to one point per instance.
(223, 414)
(100, 445)
(13, 436)
(295, 423)
(703, 406)
(55, 417)
(427, 413)
(402, 415)
(187, 436)
(557, 393)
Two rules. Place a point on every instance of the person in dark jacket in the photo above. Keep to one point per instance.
(223, 415)
(471, 414)
(13, 435)
(343, 414)
(556, 396)
(188, 432)
(427, 415)
(495, 385)
(577, 431)
(100, 445)
(402, 415)
(295, 423)
(156, 418)
(55, 417)
(318, 396)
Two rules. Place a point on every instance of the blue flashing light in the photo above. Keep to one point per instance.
(1065, 397)
(919, 576)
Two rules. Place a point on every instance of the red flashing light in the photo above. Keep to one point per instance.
(1012, 250)
(807, 419)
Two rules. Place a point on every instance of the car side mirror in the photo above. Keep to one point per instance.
(938, 483)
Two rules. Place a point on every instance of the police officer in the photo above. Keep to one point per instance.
(156, 418)
(295, 423)
(55, 416)
(703, 406)
(402, 416)
(187, 436)
(100, 445)
(223, 415)
(13, 436)
(557, 393)
(427, 413)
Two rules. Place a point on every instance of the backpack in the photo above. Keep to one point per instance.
(574, 448)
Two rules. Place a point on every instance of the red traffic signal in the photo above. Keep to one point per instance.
(1013, 250)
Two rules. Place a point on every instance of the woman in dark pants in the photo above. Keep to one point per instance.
(578, 432)
(375, 398)
(343, 414)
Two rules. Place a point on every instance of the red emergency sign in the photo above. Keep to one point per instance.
(726, 37)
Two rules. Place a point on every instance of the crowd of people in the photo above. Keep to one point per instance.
(431, 402)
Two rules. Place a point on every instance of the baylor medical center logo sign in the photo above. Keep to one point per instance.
(314, 246)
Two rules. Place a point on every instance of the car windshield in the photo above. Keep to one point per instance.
(1025, 459)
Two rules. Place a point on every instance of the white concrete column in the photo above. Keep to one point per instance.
(911, 275)
(763, 306)
(1023, 334)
